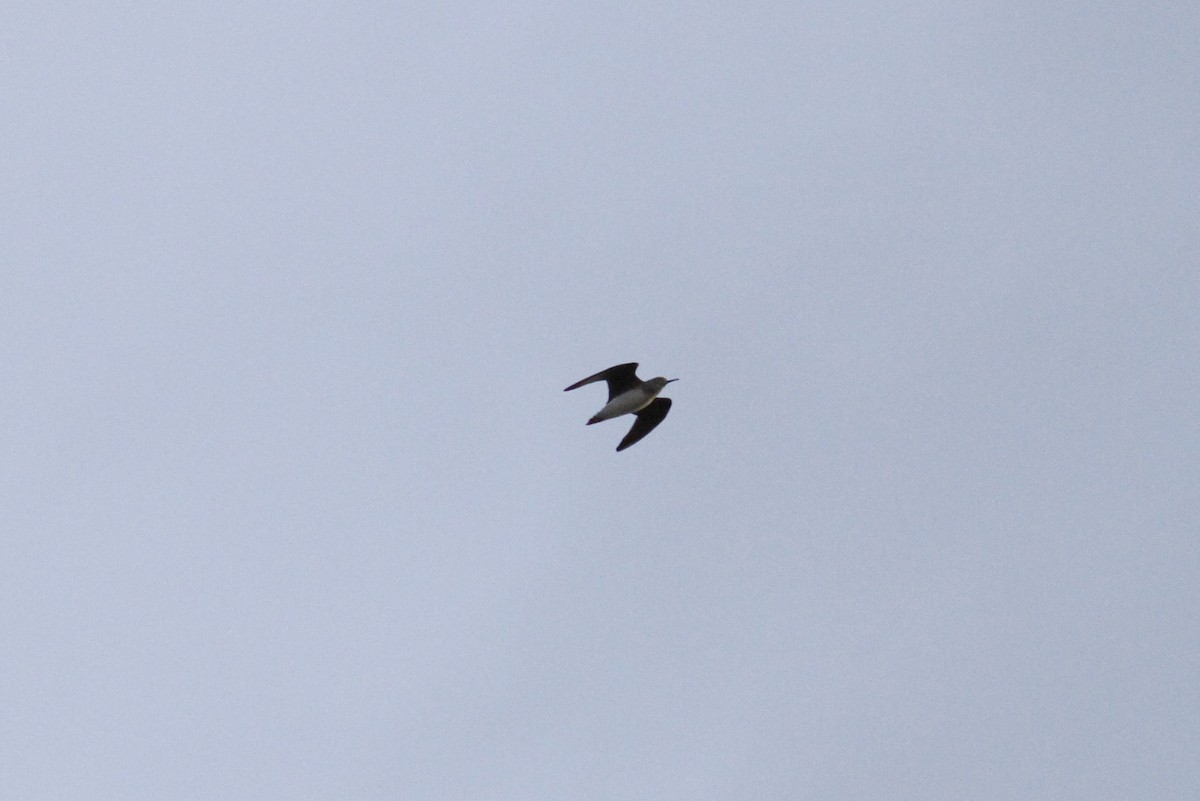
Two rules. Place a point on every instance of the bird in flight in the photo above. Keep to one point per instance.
(627, 394)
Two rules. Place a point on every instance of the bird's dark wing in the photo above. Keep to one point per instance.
(647, 419)
(619, 378)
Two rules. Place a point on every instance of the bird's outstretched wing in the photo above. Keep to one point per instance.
(619, 378)
(647, 419)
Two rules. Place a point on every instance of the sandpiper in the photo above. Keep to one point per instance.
(628, 394)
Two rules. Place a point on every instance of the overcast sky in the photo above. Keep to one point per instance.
(293, 505)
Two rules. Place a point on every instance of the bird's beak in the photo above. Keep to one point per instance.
(669, 380)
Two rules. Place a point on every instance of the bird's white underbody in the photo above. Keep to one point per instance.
(625, 403)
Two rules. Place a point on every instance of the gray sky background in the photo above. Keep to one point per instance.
(294, 505)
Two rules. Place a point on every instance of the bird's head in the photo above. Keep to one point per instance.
(660, 382)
